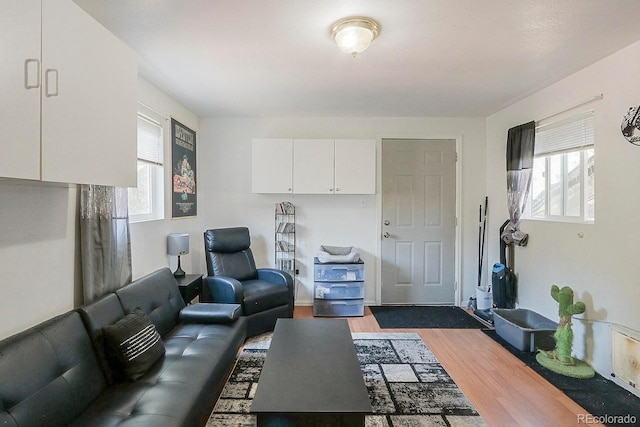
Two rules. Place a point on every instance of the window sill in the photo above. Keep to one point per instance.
(567, 220)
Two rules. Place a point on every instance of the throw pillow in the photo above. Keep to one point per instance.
(135, 343)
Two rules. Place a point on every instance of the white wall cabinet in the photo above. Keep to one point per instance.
(355, 166)
(20, 68)
(314, 166)
(73, 85)
(272, 166)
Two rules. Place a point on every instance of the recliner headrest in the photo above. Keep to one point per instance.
(227, 240)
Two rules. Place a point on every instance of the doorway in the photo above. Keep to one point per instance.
(418, 221)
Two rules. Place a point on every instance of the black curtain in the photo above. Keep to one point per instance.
(520, 148)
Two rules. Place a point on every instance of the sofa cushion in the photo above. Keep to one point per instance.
(135, 343)
(180, 389)
(48, 374)
(157, 295)
(210, 312)
(96, 315)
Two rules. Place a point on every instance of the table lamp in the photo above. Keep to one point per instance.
(178, 244)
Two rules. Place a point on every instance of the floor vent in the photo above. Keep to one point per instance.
(626, 357)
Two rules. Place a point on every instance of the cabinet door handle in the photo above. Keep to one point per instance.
(337, 189)
(46, 82)
(27, 84)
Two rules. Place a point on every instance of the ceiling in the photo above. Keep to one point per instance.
(432, 58)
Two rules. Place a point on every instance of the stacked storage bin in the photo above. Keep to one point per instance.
(338, 289)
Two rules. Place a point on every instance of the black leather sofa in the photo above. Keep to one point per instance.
(57, 373)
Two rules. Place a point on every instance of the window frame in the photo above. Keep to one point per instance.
(156, 178)
(584, 152)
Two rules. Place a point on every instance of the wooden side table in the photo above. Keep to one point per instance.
(190, 286)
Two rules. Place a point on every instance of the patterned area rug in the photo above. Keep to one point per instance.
(406, 383)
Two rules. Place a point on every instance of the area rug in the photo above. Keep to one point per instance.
(410, 317)
(598, 395)
(406, 384)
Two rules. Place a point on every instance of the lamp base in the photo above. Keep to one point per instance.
(179, 271)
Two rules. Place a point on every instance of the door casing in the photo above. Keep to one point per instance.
(458, 199)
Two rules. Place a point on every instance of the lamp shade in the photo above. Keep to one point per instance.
(178, 244)
(354, 35)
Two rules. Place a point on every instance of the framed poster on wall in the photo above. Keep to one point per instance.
(184, 201)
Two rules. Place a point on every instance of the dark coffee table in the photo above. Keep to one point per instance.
(311, 376)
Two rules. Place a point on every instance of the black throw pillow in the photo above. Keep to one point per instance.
(135, 343)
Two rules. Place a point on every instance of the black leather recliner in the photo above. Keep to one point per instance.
(265, 294)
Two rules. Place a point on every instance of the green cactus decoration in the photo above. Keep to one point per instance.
(564, 333)
(560, 360)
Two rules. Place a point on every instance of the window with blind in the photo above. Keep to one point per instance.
(562, 187)
(146, 202)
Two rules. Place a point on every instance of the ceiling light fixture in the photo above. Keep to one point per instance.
(354, 35)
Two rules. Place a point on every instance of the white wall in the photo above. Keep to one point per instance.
(349, 220)
(149, 239)
(38, 257)
(602, 267)
(39, 221)
(39, 243)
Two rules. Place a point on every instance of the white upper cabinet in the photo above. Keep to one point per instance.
(272, 166)
(81, 128)
(314, 166)
(89, 127)
(20, 83)
(355, 166)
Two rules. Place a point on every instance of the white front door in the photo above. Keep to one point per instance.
(419, 221)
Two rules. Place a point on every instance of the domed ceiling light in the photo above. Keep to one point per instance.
(354, 35)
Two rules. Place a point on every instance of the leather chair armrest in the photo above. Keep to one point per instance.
(210, 313)
(224, 289)
(274, 275)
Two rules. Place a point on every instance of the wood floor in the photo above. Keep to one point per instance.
(503, 389)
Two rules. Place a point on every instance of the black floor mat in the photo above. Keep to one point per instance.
(405, 317)
(601, 397)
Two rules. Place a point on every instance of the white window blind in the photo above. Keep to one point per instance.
(150, 147)
(572, 134)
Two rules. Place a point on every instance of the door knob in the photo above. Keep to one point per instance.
(387, 222)
(386, 235)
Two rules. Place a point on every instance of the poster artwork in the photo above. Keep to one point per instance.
(183, 156)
